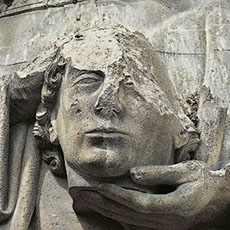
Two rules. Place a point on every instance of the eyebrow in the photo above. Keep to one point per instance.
(83, 71)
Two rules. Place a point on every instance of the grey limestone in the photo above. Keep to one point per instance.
(114, 114)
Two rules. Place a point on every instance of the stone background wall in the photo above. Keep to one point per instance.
(176, 28)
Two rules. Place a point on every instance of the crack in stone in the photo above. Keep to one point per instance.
(16, 63)
(178, 53)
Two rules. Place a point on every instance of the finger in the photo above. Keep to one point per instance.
(227, 172)
(168, 174)
(123, 214)
(185, 201)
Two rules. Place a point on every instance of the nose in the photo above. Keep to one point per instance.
(108, 103)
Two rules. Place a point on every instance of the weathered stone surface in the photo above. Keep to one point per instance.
(127, 104)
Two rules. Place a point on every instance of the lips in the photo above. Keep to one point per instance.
(106, 139)
(105, 131)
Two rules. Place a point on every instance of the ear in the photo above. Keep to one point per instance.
(181, 139)
(186, 144)
(53, 133)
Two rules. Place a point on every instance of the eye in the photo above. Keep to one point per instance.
(89, 78)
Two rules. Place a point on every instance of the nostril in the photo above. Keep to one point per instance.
(117, 108)
(108, 106)
(98, 109)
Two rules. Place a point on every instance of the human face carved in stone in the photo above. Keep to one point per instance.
(112, 116)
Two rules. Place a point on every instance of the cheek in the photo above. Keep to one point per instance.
(70, 101)
(71, 140)
(154, 131)
(78, 104)
(69, 125)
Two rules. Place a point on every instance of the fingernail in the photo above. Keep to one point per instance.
(227, 171)
(136, 174)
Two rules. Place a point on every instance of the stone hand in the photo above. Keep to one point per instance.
(197, 187)
(198, 190)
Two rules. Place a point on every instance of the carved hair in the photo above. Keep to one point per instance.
(52, 154)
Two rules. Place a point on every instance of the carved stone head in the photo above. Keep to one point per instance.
(108, 104)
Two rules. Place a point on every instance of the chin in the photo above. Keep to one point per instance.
(103, 163)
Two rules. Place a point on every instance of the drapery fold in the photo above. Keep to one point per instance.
(19, 168)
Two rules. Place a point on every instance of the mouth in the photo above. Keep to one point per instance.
(105, 132)
(106, 138)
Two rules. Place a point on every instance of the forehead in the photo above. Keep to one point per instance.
(101, 49)
(94, 50)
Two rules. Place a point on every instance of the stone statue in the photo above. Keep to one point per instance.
(109, 123)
